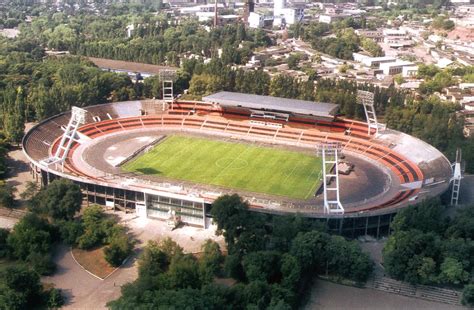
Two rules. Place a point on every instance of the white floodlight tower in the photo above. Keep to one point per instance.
(456, 179)
(366, 98)
(329, 151)
(78, 117)
(167, 77)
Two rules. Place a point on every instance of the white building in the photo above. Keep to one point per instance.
(286, 16)
(372, 62)
(331, 18)
(410, 71)
(256, 20)
(393, 68)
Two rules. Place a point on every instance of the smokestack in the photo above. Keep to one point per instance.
(248, 8)
(215, 15)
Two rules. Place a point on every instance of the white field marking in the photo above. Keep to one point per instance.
(157, 153)
(292, 171)
(314, 187)
(224, 169)
(243, 162)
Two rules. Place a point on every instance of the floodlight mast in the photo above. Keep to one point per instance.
(456, 179)
(366, 98)
(167, 78)
(78, 117)
(329, 151)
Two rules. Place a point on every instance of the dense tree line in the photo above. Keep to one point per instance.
(20, 288)
(273, 260)
(155, 39)
(342, 43)
(33, 89)
(52, 220)
(429, 248)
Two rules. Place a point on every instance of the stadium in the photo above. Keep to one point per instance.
(159, 158)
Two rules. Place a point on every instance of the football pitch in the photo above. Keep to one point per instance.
(241, 166)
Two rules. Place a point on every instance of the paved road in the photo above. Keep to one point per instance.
(84, 291)
(7, 222)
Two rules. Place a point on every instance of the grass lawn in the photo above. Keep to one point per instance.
(233, 165)
(93, 261)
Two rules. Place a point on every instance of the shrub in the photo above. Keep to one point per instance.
(119, 249)
(54, 299)
(88, 240)
(4, 250)
(70, 231)
(42, 263)
(468, 295)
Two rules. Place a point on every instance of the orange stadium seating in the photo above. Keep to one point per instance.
(191, 115)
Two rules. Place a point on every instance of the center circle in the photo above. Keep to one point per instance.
(231, 163)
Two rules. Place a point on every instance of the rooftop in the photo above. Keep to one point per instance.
(321, 109)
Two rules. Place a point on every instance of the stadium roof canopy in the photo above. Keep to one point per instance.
(320, 109)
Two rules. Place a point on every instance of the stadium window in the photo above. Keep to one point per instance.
(176, 202)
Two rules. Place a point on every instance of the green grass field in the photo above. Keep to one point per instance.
(232, 165)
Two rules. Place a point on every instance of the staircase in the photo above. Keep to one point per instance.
(13, 213)
(430, 293)
(154, 107)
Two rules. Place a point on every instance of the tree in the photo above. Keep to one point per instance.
(13, 114)
(60, 200)
(95, 227)
(20, 288)
(425, 216)
(462, 225)
(118, 250)
(291, 272)
(183, 272)
(233, 220)
(210, 262)
(452, 271)
(31, 235)
(55, 299)
(262, 266)
(468, 295)
(70, 231)
(153, 261)
(4, 250)
(372, 47)
(405, 251)
(7, 199)
(293, 61)
(308, 249)
(346, 259)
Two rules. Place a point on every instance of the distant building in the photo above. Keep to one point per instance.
(376, 35)
(392, 35)
(372, 62)
(331, 18)
(393, 68)
(410, 71)
(461, 2)
(283, 16)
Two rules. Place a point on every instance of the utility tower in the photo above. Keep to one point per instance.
(78, 117)
(167, 78)
(366, 98)
(329, 152)
(456, 179)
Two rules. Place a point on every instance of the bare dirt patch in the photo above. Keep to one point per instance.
(93, 261)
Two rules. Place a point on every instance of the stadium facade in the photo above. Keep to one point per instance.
(393, 170)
